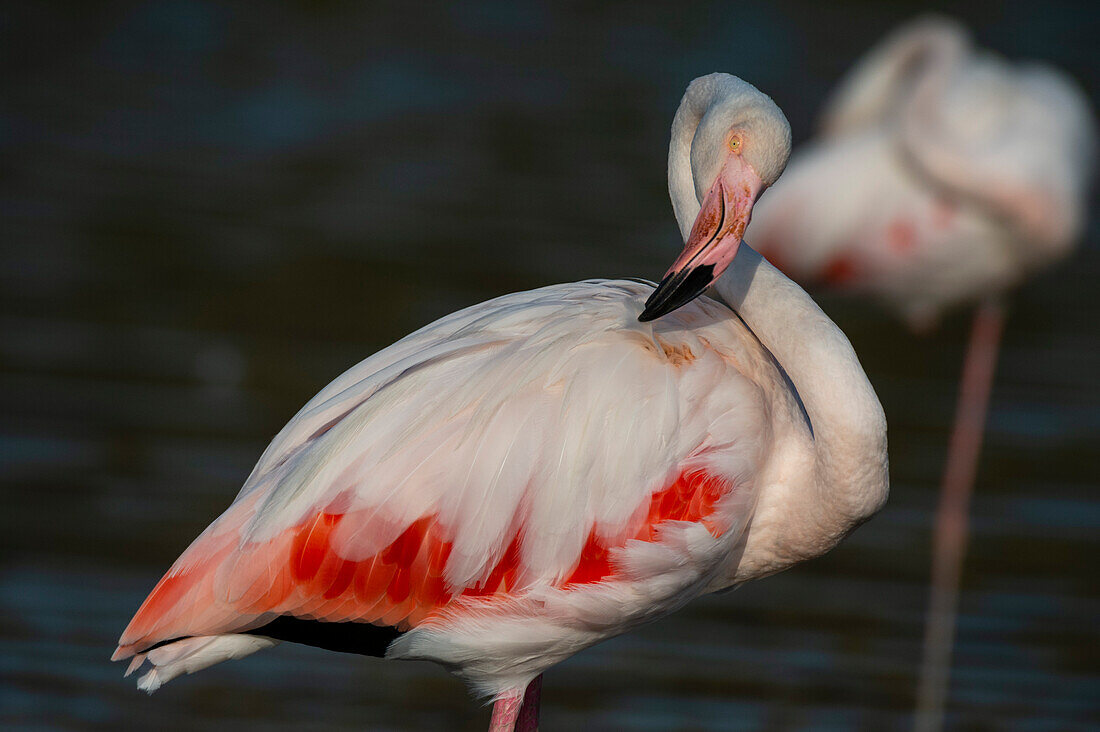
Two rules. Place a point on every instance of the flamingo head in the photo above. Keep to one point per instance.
(729, 143)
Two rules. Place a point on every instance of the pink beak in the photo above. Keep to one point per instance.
(713, 241)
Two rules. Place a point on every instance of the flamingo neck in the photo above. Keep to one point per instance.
(681, 181)
(846, 420)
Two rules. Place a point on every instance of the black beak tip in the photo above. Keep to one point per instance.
(659, 301)
(648, 314)
(677, 290)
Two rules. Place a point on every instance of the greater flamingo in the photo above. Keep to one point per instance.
(962, 174)
(529, 476)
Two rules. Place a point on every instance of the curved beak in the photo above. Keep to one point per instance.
(713, 241)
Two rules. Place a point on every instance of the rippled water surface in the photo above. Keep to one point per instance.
(209, 212)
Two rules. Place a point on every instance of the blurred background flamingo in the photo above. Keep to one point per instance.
(942, 175)
(949, 173)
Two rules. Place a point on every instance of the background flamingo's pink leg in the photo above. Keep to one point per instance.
(949, 540)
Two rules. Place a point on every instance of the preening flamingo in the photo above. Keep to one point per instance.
(529, 476)
(962, 174)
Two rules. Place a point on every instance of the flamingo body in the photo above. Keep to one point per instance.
(528, 476)
(540, 466)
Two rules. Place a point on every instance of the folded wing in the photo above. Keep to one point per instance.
(511, 444)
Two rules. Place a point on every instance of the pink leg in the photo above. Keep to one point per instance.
(517, 711)
(949, 541)
(505, 711)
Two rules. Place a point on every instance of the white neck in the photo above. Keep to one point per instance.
(681, 182)
(847, 421)
(848, 425)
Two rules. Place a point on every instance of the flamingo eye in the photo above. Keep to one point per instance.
(734, 143)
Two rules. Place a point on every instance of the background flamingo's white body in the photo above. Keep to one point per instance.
(942, 174)
(881, 231)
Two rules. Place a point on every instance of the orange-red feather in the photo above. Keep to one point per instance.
(401, 585)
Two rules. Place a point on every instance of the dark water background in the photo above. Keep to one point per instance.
(207, 212)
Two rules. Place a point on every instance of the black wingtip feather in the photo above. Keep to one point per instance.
(347, 637)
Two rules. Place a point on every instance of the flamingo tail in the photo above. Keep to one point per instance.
(188, 655)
